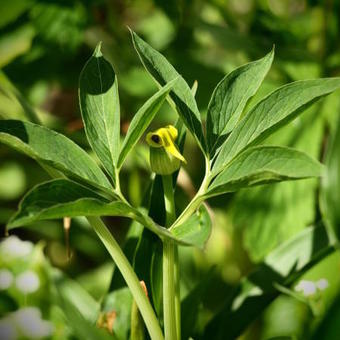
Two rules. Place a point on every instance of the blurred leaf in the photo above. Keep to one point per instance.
(52, 149)
(142, 120)
(81, 311)
(12, 179)
(15, 99)
(163, 72)
(271, 113)
(270, 215)
(71, 292)
(99, 103)
(196, 229)
(10, 11)
(264, 164)
(329, 327)
(284, 265)
(61, 24)
(330, 189)
(15, 43)
(230, 98)
(120, 302)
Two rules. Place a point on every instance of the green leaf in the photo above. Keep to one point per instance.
(52, 149)
(163, 72)
(330, 189)
(264, 164)
(99, 104)
(230, 98)
(196, 229)
(254, 293)
(61, 197)
(142, 120)
(275, 110)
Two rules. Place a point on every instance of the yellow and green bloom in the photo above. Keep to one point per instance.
(165, 157)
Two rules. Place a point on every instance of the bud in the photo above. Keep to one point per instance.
(164, 155)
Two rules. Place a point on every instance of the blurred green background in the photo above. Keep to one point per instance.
(45, 44)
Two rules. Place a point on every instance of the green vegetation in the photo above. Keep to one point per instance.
(152, 204)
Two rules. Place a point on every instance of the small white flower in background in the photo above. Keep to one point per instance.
(12, 247)
(27, 282)
(30, 324)
(322, 284)
(7, 329)
(308, 288)
(6, 279)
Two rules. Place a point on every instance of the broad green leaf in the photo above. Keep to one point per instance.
(254, 293)
(99, 104)
(275, 110)
(163, 72)
(264, 164)
(330, 189)
(230, 98)
(61, 197)
(196, 229)
(142, 120)
(52, 149)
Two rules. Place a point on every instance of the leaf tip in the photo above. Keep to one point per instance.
(97, 51)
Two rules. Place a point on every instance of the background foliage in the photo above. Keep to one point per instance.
(43, 47)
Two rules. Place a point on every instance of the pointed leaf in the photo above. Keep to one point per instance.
(264, 164)
(277, 109)
(52, 149)
(196, 229)
(99, 104)
(142, 120)
(61, 197)
(230, 98)
(163, 72)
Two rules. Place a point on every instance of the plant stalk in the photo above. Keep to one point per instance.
(171, 292)
(130, 277)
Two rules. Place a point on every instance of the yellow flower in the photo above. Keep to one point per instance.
(164, 155)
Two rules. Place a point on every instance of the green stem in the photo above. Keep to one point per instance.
(130, 277)
(171, 293)
(126, 270)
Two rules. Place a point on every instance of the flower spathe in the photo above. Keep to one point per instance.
(165, 157)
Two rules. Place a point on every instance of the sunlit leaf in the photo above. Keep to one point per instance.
(277, 109)
(142, 120)
(230, 98)
(99, 104)
(163, 72)
(52, 149)
(264, 164)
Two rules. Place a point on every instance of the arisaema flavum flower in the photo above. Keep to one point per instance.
(164, 155)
